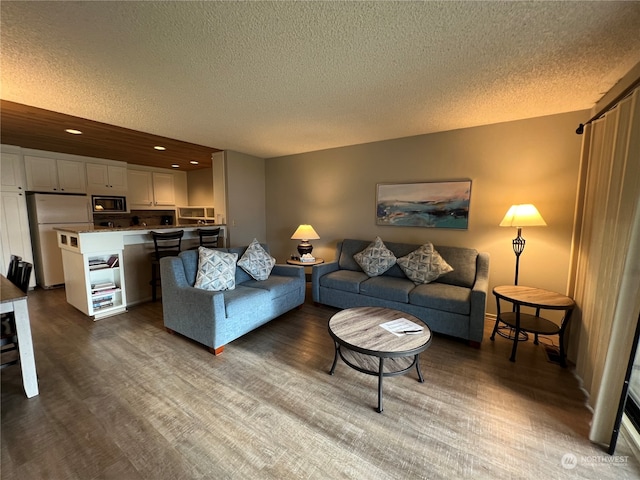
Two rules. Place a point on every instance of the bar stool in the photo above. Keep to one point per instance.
(208, 237)
(165, 245)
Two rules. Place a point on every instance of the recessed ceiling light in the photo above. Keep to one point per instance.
(73, 131)
(175, 165)
(159, 147)
(193, 162)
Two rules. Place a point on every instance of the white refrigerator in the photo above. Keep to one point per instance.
(46, 212)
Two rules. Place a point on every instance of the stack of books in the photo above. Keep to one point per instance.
(98, 263)
(102, 294)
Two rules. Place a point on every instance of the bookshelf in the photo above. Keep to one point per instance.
(93, 271)
(105, 290)
(94, 282)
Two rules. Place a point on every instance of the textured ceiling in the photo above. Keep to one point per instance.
(278, 78)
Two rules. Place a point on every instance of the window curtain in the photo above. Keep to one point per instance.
(605, 280)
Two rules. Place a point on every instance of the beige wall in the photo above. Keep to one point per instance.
(528, 161)
(246, 215)
(180, 186)
(220, 186)
(200, 187)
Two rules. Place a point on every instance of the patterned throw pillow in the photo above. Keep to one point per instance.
(424, 265)
(256, 261)
(376, 258)
(216, 270)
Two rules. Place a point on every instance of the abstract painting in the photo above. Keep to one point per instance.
(428, 204)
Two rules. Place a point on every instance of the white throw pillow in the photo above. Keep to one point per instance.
(424, 265)
(216, 270)
(376, 258)
(256, 261)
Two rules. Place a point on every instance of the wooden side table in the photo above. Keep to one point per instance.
(536, 298)
(317, 261)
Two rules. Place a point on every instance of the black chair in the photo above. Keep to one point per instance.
(209, 237)
(23, 276)
(12, 271)
(165, 245)
(12, 276)
(19, 273)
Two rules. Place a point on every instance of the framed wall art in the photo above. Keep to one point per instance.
(427, 204)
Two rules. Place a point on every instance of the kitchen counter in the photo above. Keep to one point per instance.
(136, 228)
(83, 247)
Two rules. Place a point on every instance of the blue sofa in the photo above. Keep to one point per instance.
(454, 304)
(217, 318)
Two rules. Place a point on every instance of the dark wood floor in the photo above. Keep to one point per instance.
(121, 398)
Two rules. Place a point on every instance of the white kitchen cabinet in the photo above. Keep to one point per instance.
(106, 179)
(71, 176)
(140, 189)
(14, 230)
(148, 189)
(42, 174)
(164, 193)
(117, 178)
(199, 214)
(51, 175)
(12, 173)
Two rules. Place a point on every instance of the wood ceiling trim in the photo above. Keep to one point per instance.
(37, 128)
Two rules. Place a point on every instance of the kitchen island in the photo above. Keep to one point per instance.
(107, 269)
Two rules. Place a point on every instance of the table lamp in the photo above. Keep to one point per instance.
(305, 233)
(525, 215)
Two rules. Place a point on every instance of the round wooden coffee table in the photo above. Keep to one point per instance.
(366, 346)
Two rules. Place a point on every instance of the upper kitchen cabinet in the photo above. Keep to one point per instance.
(12, 178)
(164, 190)
(71, 177)
(151, 189)
(51, 175)
(140, 191)
(42, 174)
(106, 179)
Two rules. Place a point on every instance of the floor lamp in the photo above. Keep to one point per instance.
(519, 216)
(525, 215)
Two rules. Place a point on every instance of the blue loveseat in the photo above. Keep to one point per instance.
(454, 304)
(217, 318)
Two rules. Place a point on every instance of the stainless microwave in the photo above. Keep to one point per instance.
(108, 204)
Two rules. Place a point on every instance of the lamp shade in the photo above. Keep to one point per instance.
(525, 215)
(305, 232)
